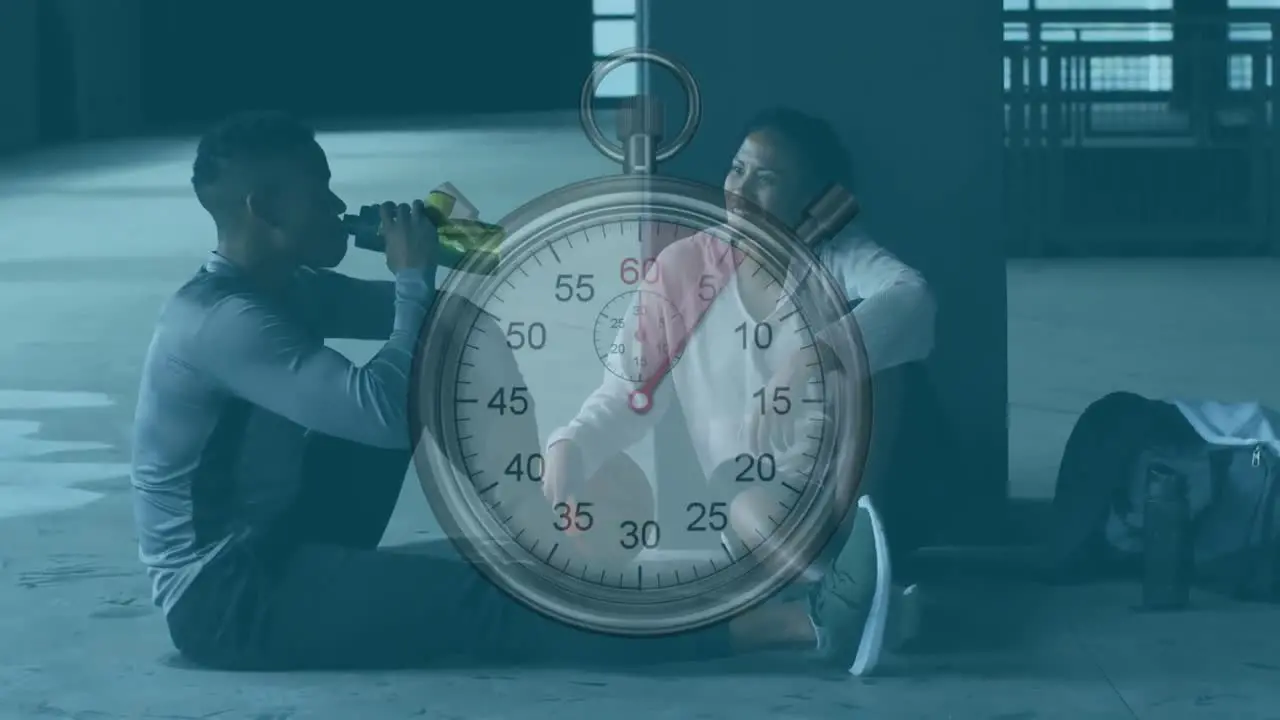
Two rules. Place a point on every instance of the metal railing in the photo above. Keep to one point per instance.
(1166, 142)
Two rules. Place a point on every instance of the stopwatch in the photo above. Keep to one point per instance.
(579, 326)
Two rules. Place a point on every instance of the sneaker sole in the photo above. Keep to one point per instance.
(873, 632)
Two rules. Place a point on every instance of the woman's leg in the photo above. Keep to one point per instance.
(750, 506)
(851, 581)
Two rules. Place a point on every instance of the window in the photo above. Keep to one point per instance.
(1103, 4)
(615, 29)
(1132, 72)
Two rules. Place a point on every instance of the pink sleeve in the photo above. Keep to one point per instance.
(691, 275)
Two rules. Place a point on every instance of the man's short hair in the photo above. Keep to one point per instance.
(230, 156)
(822, 154)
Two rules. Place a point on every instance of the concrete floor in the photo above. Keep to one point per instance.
(92, 241)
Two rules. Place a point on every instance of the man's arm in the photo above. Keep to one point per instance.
(340, 306)
(267, 359)
(895, 309)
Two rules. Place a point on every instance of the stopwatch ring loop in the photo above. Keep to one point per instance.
(591, 125)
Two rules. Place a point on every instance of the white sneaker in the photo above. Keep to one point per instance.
(850, 607)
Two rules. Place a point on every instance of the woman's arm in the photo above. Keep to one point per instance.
(658, 326)
(894, 309)
(606, 424)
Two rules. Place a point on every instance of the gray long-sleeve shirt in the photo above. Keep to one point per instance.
(222, 346)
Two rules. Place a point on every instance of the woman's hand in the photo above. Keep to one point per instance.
(563, 475)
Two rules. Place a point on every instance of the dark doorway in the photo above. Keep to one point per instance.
(1200, 59)
(57, 75)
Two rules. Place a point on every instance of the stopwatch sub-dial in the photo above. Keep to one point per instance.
(630, 334)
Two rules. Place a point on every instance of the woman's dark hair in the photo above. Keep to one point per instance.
(824, 157)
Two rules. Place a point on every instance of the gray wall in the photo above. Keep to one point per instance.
(19, 117)
(107, 61)
(916, 88)
(104, 57)
(117, 67)
(380, 58)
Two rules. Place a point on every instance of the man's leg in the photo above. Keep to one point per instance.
(342, 608)
(315, 594)
(350, 490)
(331, 607)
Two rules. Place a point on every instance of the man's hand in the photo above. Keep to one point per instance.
(412, 240)
(563, 476)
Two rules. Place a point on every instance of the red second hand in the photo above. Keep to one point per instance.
(641, 399)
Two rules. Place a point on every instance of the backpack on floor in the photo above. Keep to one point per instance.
(1233, 494)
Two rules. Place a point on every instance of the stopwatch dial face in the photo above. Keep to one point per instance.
(582, 339)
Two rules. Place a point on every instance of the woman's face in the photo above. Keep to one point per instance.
(766, 173)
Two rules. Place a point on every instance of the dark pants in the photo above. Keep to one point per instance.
(909, 468)
(313, 591)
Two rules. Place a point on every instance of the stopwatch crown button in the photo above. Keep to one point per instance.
(641, 115)
(836, 208)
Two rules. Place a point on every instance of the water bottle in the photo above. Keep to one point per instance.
(1166, 543)
(464, 241)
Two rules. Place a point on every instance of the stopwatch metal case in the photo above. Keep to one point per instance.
(485, 541)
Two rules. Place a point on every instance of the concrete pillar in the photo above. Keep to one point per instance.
(1200, 55)
(916, 89)
(19, 103)
(106, 40)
